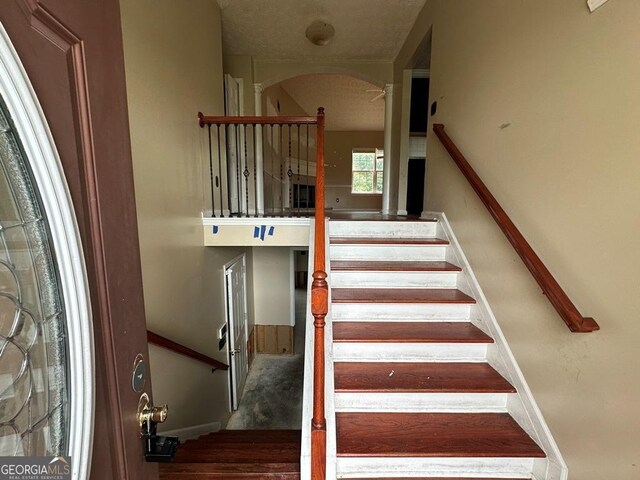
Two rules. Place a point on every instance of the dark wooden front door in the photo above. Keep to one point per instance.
(72, 53)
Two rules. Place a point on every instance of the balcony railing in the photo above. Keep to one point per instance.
(262, 166)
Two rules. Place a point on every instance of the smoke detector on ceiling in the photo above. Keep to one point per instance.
(320, 33)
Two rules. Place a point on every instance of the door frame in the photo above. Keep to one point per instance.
(231, 375)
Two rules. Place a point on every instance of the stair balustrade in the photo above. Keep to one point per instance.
(261, 166)
(551, 288)
(278, 149)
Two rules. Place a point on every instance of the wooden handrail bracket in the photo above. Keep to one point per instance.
(550, 287)
(164, 342)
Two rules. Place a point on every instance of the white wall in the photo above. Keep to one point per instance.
(543, 99)
(173, 62)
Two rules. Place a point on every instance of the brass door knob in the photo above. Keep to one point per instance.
(159, 414)
(148, 414)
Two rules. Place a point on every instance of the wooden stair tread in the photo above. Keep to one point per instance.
(251, 436)
(398, 295)
(432, 435)
(387, 241)
(363, 377)
(228, 468)
(250, 447)
(401, 266)
(409, 332)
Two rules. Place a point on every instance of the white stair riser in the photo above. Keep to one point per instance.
(409, 352)
(383, 229)
(421, 402)
(389, 252)
(385, 279)
(400, 312)
(360, 467)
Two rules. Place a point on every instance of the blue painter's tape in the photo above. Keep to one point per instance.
(272, 229)
(256, 232)
(263, 228)
(215, 229)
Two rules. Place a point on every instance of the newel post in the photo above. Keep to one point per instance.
(319, 308)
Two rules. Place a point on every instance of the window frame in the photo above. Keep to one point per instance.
(378, 154)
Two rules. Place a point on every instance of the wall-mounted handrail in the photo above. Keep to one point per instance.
(550, 287)
(319, 309)
(164, 342)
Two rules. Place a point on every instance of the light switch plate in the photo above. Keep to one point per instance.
(222, 332)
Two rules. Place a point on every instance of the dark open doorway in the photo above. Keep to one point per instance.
(415, 186)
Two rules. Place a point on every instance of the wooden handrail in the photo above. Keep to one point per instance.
(164, 342)
(550, 287)
(319, 308)
(224, 120)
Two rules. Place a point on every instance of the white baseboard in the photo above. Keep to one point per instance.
(193, 431)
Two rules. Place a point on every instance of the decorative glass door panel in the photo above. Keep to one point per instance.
(34, 393)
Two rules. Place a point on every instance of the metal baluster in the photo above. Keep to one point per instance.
(213, 202)
(290, 175)
(246, 172)
(238, 185)
(219, 176)
(273, 176)
(307, 179)
(255, 169)
(298, 184)
(281, 178)
(226, 142)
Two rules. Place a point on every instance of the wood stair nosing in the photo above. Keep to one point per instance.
(396, 295)
(366, 377)
(408, 332)
(356, 240)
(404, 435)
(392, 266)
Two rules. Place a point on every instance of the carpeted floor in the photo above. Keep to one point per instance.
(272, 397)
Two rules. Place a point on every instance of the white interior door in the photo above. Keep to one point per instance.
(237, 320)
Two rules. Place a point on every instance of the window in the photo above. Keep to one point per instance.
(367, 170)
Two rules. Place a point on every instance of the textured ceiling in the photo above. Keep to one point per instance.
(366, 30)
(346, 101)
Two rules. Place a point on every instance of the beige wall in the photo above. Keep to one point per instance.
(337, 151)
(566, 169)
(173, 66)
(273, 285)
(274, 95)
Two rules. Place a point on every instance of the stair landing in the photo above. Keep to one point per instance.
(237, 455)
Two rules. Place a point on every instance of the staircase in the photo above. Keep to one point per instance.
(237, 455)
(424, 385)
